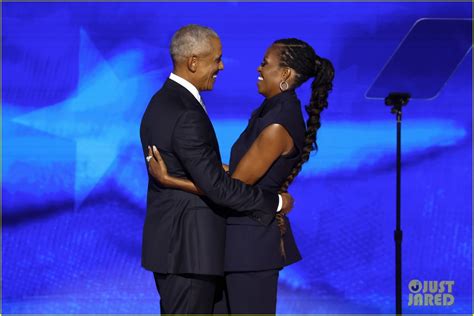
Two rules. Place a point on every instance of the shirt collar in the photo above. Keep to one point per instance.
(188, 86)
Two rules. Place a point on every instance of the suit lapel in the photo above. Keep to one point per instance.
(188, 98)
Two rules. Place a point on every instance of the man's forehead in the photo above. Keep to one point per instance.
(216, 42)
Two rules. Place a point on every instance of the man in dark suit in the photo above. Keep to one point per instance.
(184, 234)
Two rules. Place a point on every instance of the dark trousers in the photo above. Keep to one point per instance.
(248, 293)
(186, 293)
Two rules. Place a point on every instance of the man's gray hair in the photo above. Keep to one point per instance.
(191, 40)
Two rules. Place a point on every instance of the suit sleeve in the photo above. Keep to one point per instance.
(193, 144)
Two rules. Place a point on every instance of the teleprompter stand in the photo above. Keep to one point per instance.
(419, 68)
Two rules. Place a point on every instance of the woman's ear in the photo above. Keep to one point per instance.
(286, 75)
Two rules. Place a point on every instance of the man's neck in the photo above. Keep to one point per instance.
(185, 76)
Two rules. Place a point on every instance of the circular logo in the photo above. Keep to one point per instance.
(414, 286)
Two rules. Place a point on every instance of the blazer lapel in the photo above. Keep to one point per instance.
(188, 98)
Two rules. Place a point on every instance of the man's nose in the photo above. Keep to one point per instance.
(221, 65)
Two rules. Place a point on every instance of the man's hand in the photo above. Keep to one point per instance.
(225, 167)
(287, 203)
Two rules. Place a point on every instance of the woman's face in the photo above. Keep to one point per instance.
(270, 73)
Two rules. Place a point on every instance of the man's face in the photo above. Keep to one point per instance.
(208, 66)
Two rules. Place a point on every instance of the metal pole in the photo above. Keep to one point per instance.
(398, 232)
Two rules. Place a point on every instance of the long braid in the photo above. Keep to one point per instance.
(300, 56)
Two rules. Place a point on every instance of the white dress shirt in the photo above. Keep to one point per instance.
(188, 86)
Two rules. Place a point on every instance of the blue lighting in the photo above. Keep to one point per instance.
(76, 80)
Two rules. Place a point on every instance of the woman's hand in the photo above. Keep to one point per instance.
(159, 171)
(156, 166)
(288, 203)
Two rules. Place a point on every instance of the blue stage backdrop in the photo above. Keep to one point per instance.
(76, 80)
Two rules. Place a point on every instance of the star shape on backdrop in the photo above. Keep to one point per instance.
(103, 114)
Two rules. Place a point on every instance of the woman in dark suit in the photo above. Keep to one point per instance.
(269, 153)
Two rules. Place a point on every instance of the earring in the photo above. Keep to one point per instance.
(284, 86)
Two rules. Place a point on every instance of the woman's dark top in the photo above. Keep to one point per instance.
(250, 245)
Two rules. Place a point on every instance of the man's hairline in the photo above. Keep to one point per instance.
(184, 57)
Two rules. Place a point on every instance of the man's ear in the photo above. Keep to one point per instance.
(192, 64)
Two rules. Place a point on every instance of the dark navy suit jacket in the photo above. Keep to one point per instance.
(183, 232)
